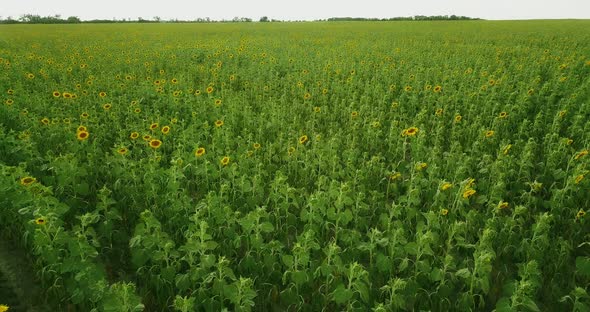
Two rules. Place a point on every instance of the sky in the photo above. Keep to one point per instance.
(296, 9)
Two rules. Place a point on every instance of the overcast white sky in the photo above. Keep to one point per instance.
(297, 9)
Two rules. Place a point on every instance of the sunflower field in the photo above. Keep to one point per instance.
(326, 166)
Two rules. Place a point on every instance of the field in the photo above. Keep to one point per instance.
(384, 166)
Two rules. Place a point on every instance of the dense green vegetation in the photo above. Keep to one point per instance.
(303, 166)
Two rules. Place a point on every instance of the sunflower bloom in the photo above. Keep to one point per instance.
(26, 181)
(218, 123)
(581, 213)
(439, 112)
(503, 205)
(394, 176)
(354, 114)
(4, 308)
(579, 179)
(437, 89)
(154, 126)
(421, 166)
(155, 144)
(581, 154)
(122, 151)
(82, 135)
(303, 139)
(503, 115)
(444, 212)
(56, 94)
(506, 149)
(489, 133)
(40, 221)
(468, 193)
(256, 145)
(445, 186)
(166, 129)
(134, 135)
(458, 118)
(412, 131)
(225, 161)
(200, 152)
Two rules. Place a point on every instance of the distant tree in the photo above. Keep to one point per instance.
(264, 19)
(73, 20)
(157, 19)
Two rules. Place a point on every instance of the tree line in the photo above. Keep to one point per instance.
(57, 19)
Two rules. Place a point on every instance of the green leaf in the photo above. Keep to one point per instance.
(266, 227)
(342, 295)
(463, 273)
(583, 266)
(287, 260)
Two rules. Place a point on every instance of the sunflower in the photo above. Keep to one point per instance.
(324, 91)
(303, 139)
(154, 126)
(307, 96)
(468, 193)
(218, 102)
(102, 94)
(458, 118)
(174, 80)
(134, 135)
(200, 152)
(291, 150)
(147, 137)
(40, 221)
(530, 92)
(84, 115)
(45, 121)
(444, 212)
(581, 213)
(81, 128)
(224, 161)
(82, 135)
(407, 88)
(579, 179)
(30, 76)
(218, 123)
(26, 181)
(412, 131)
(137, 110)
(437, 89)
(232, 77)
(157, 82)
(489, 133)
(503, 205)
(354, 114)
(503, 115)
(256, 145)
(445, 186)
(4, 308)
(439, 112)
(67, 95)
(421, 166)
(107, 106)
(197, 92)
(562, 113)
(10, 91)
(122, 151)
(317, 109)
(209, 89)
(569, 141)
(165, 129)
(581, 154)
(56, 94)
(155, 143)
(133, 103)
(9, 102)
(506, 149)
(394, 176)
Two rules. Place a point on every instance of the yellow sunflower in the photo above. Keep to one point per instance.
(200, 152)
(218, 123)
(82, 135)
(303, 139)
(122, 151)
(468, 193)
(40, 221)
(225, 161)
(166, 129)
(134, 135)
(155, 143)
(26, 181)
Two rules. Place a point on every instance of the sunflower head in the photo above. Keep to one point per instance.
(503, 115)
(458, 118)
(225, 161)
(354, 114)
(218, 102)
(200, 152)
(218, 123)
(489, 133)
(437, 89)
(154, 126)
(444, 212)
(256, 145)
(26, 181)
(445, 186)
(468, 193)
(122, 151)
(107, 106)
(303, 139)
(209, 89)
(134, 135)
(166, 129)
(82, 135)
(439, 112)
(503, 205)
(155, 143)
(56, 94)
(102, 94)
(40, 221)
